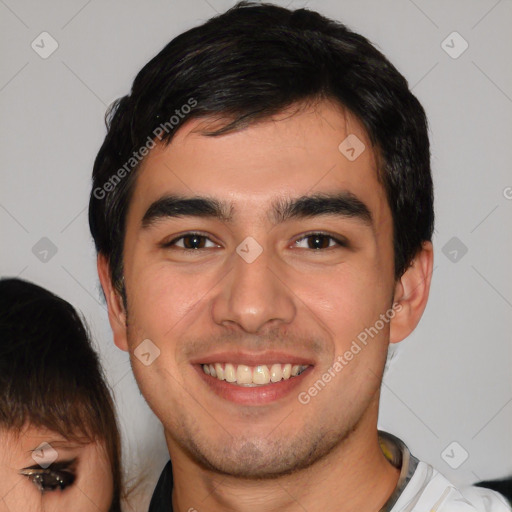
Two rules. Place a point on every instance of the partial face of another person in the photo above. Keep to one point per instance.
(78, 479)
(268, 291)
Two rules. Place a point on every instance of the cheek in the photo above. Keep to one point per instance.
(25, 497)
(22, 498)
(348, 302)
(94, 482)
(160, 297)
(18, 493)
(345, 300)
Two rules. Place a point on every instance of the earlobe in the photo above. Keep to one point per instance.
(116, 311)
(411, 294)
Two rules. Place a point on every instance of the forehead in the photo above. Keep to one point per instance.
(30, 436)
(26, 447)
(317, 148)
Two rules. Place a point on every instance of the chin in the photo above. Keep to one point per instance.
(264, 459)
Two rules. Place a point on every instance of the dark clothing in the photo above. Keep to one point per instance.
(502, 486)
(162, 496)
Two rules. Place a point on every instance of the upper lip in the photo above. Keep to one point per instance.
(251, 358)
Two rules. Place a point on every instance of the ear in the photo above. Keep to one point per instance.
(116, 311)
(411, 294)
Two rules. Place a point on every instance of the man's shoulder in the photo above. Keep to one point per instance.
(429, 490)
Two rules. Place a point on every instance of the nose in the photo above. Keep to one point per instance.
(254, 296)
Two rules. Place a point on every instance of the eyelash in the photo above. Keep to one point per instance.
(173, 242)
(49, 480)
(185, 235)
(338, 241)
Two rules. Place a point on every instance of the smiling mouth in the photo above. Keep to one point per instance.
(253, 376)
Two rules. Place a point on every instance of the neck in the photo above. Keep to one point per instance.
(354, 476)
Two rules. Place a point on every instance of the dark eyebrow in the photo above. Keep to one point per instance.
(343, 204)
(176, 206)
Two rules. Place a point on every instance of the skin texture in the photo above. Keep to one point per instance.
(306, 302)
(92, 490)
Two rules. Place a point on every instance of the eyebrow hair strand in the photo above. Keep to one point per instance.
(176, 206)
(343, 204)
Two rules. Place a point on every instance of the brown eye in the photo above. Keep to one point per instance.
(47, 480)
(191, 241)
(316, 241)
(319, 241)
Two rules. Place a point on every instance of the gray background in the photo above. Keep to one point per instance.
(451, 380)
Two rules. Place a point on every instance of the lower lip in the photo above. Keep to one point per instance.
(256, 395)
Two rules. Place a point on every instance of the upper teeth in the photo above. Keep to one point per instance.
(252, 375)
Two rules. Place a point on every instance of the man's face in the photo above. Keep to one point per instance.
(259, 288)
